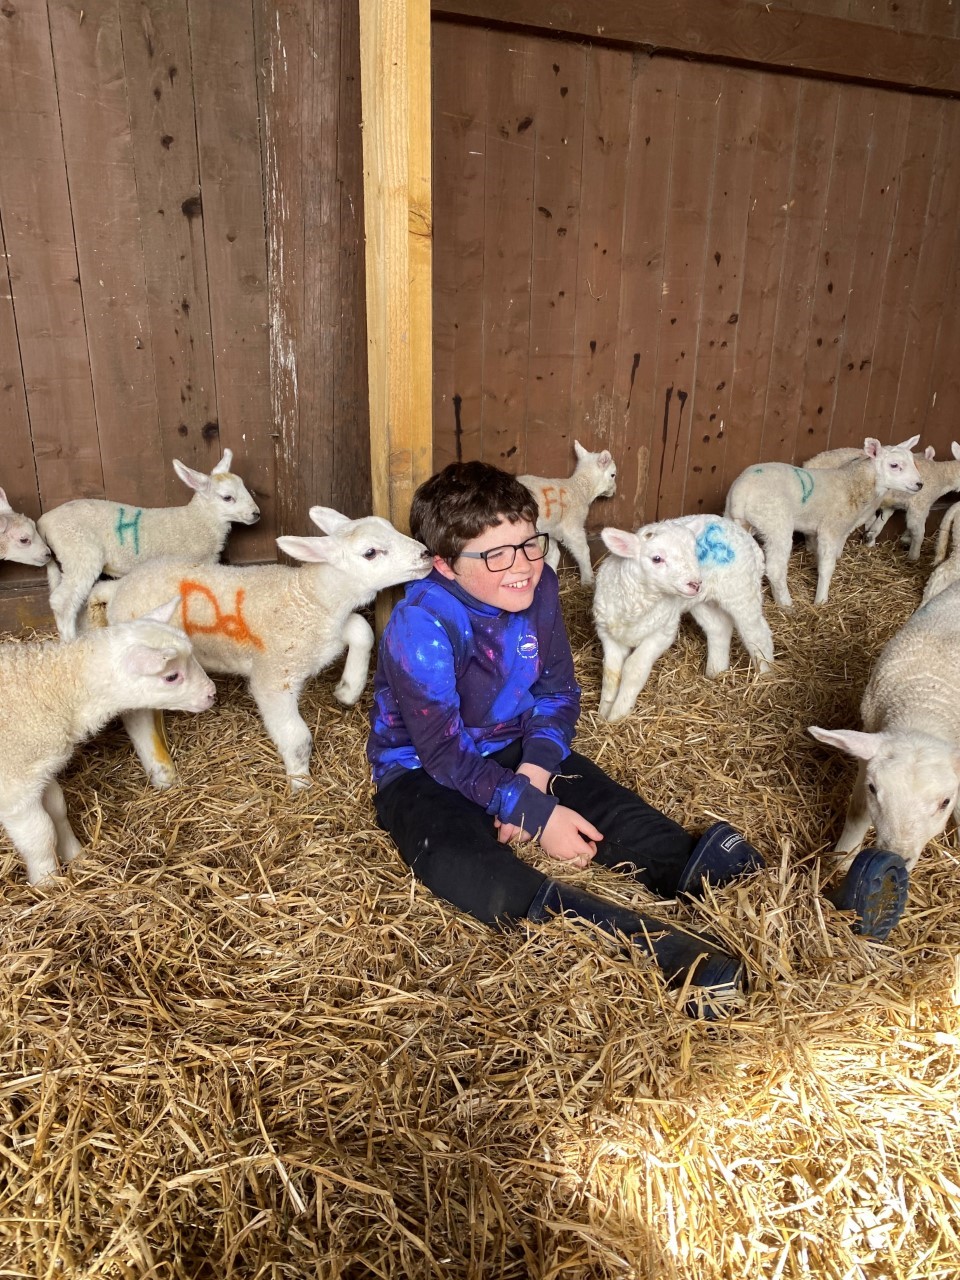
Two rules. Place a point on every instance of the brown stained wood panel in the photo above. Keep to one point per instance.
(763, 269)
(285, 52)
(842, 211)
(508, 248)
(942, 422)
(459, 70)
(912, 209)
(225, 89)
(691, 181)
(560, 73)
(344, 300)
(928, 297)
(722, 290)
(42, 262)
(95, 119)
(334, 270)
(783, 432)
(738, 30)
(850, 422)
(156, 55)
(652, 114)
(606, 137)
(18, 476)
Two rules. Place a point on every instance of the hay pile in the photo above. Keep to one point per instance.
(241, 1042)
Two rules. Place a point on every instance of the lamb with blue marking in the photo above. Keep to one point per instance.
(704, 565)
(776, 500)
(92, 536)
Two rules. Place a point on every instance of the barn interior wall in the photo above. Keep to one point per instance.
(694, 264)
(691, 264)
(181, 218)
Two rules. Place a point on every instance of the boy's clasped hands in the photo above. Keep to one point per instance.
(567, 836)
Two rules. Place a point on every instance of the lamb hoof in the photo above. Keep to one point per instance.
(347, 695)
(163, 778)
(299, 782)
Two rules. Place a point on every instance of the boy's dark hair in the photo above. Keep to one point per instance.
(462, 500)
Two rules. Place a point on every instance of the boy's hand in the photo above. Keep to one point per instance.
(569, 838)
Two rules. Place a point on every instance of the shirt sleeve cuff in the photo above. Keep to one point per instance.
(532, 811)
(547, 754)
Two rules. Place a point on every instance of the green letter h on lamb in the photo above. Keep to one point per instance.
(132, 525)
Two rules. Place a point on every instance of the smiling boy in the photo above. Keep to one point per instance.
(475, 708)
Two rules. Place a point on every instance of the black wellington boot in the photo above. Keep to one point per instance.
(716, 975)
(720, 855)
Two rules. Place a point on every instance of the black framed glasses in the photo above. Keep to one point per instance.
(499, 558)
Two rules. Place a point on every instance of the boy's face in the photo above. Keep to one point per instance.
(510, 589)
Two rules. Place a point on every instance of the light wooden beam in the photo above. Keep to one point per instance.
(395, 93)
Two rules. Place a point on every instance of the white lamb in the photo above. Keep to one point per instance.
(91, 536)
(564, 504)
(938, 478)
(909, 751)
(947, 567)
(19, 540)
(56, 695)
(276, 624)
(703, 565)
(839, 458)
(776, 500)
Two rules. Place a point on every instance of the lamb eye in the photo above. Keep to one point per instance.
(945, 803)
(656, 559)
(173, 677)
(871, 788)
(25, 541)
(228, 497)
(894, 466)
(371, 553)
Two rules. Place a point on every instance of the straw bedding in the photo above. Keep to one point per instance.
(240, 1041)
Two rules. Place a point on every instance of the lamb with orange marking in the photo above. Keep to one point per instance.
(564, 504)
(276, 624)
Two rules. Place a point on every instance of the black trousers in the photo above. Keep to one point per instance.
(450, 844)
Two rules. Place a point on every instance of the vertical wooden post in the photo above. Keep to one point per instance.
(395, 92)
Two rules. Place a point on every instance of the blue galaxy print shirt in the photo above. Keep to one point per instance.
(457, 680)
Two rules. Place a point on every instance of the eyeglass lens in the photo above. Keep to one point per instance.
(534, 549)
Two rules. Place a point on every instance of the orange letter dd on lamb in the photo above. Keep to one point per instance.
(231, 625)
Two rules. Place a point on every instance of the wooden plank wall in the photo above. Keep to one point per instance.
(692, 264)
(181, 219)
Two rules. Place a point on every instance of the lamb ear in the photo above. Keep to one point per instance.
(224, 464)
(930, 453)
(909, 444)
(955, 449)
(863, 746)
(327, 519)
(5, 521)
(4, 504)
(621, 543)
(193, 479)
(309, 550)
(163, 612)
(871, 447)
(605, 458)
(143, 660)
(579, 450)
